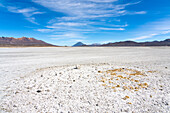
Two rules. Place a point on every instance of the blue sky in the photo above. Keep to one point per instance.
(65, 22)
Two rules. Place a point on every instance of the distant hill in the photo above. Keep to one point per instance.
(79, 44)
(24, 41)
(133, 43)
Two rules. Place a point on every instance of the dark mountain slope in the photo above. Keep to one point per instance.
(132, 43)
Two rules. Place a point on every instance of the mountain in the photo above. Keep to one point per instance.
(79, 44)
(132, 43)
(24, 41)
(125, 43)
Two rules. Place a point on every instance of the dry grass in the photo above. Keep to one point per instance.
(116, 76)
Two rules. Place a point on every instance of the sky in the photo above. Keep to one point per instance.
(65, 22)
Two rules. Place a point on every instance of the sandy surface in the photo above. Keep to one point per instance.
(85, 79)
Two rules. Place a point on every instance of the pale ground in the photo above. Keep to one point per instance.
(21, 70)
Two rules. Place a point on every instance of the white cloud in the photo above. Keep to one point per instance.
(108, 41)
(85, 16)
(68, 36)
(113, 29)
(87, 8)
(144, 37)
(82, 12)
(27, 12)
(45, 30)
(32, 20)
(139, 12)
(102, 1)
(166, 32)
(152, 29)
(157, 26)
(151, 35)
(125, 25)
(70, 24)
(37, 12)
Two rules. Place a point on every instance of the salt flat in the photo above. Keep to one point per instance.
(21, 70)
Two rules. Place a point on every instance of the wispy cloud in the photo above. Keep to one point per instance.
(102, 1)
(152, 29)
(139, 12)
(69, 36)
(86, 8)
(151, 35)
(32, 20)
(69, 24)
(125, 25)
(144, 37)
(83, 12)
(27, 12)
(112, 29)
(107, 41)
(44, 30)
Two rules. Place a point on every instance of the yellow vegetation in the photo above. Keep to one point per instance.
(113, 76)
(136, 88)
(125, 77)
(113, 87)
(129, 103)
(113, 73)
(145, 84)
(151, 71)
(126, 97)
(118, 86)
(120, 76)
(125, 87)
(110, 81)
(103, 80)
(132, 79)
(136, 80)
(131, 87)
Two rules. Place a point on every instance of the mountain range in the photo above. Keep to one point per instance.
(133, 43)
(24, 41)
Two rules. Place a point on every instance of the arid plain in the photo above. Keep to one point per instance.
(85, 79)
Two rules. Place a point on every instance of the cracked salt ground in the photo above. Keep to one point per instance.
(88, 88)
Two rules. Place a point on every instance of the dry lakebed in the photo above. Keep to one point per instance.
(85, 79)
